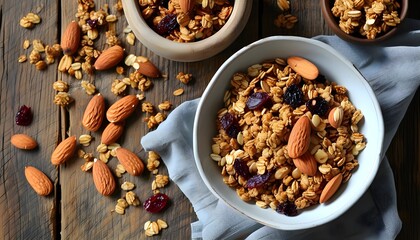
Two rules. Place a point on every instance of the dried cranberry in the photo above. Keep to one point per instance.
(257, 100)
(257, 180)
(156, 203)
(167, 24)
(92, 23)
(318, 106)
(293, 96)
(230, 125)
(241, 168)
(24, 116)
(287, 208)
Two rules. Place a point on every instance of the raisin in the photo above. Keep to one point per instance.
(287, 208)
(230, 125)
(257, 100)
(241, 168)
(293, 96)
(156, 203)
(258, 180)
(167, 24)
(92, 23)
(318, 106)
(24, 116)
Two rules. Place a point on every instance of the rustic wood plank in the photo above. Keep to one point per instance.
(26, 215)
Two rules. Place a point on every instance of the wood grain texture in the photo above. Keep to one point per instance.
(76, 210)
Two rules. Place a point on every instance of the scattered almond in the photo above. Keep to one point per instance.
(70, 40)
(306, 164)
(112, 132)
(299, 138)
(303, 67)
(330, 188)
(94, 113)
(103, 179)
(23, 141)
(41, 184)
(109, 58)
(122, 108)
(64, 151)
(147, 68)
(186, 5)
(132, 164)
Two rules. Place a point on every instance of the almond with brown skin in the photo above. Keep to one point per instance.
(303, 67)
(70, 40)
(38, 181)
(64, 151)
(122, 108)
(102, 177)
(335, 117)
(330, 188)
(109, 58)
(132, 164)
(94, 113)
(147, 68)
(299, 138)
(186, 5)
(23, 141)
(306, 164)
(112, 132)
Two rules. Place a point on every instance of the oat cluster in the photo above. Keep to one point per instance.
(368, 18)
(285, 19)
(259, 148)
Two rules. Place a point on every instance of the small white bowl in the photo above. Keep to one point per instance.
(188, 52)
(336, 68)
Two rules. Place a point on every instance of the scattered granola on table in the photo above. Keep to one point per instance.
(256, 129)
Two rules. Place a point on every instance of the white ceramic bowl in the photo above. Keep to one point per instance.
(336, 68)
(188, 52)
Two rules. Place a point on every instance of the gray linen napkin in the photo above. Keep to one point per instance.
(392, 69)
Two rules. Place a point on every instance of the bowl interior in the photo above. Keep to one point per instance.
(335, 68)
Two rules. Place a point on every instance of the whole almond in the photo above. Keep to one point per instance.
(102, 177)
(330, 188)
(38, 181)
(64, 151)
(186, 5)
(94, 113)
(23, 141)
(306, 164)
(335, 117)
(303, 67)
(70, 40)
(132, 164)
(122, 108)
(147, 68)
(299, 138)
(109, 58)
(112, 132)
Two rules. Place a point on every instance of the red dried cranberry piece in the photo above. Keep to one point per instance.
(241, 168)
(24, 116)
(318, 105)
(156, 203)
(257, 100)
(287, 208)
(257, 180)
(167, 24)
(230, 125)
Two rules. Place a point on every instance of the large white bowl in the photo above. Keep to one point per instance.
(336, 68)
(188, 52)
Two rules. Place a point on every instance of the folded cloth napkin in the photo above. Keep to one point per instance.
(391, 68)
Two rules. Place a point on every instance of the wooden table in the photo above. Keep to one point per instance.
(75, 210)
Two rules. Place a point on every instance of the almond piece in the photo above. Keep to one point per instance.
(112, 132)
(109, 58)
(186, 5)
(38, 181)
(64, 151)
(23, 141)
(122, 108)
(102, 177)
(94, 113)
(306, 164)
(299, 138)
(147, 68)
(132, 164)
(70, 40)
(330, 188)
(335, 117)
(303, 67)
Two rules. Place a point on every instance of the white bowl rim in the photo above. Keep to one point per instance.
(375, 103)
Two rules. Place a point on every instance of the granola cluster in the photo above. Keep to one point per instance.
(368, 18)
(205, 18)
(252, 153)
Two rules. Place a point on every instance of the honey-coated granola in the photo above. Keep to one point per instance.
(254, 128)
